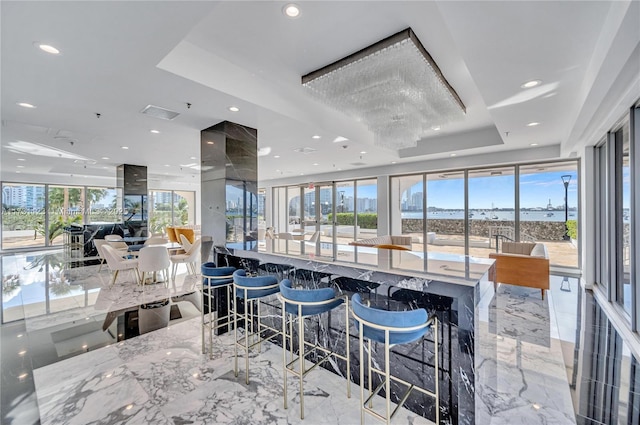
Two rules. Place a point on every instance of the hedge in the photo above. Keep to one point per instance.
(572, 229)
(365, 220)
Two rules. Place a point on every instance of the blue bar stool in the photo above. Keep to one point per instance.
(391, 328)
(251, 290)
(213, 278)
(302, 303)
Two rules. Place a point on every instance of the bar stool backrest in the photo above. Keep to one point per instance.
(414, 321)
(321, 297)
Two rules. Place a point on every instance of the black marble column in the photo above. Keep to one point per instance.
(132, 179)
(229, 178)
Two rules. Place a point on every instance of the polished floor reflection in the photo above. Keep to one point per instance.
(64, 346)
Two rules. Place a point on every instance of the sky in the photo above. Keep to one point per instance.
(498, 191)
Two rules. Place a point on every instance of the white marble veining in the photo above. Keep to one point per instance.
(521, 375)
(162, 378)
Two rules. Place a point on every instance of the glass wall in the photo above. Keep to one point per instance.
(171, 208)
(366, 219)
(508, 203)
(407, 218)
(65, 207)
(623, 213)
(35, 215)
(491, 208)
(544, 214)
(160, 210)
(345, 220)
(321, 219)
(23, 215)
(616, 160)
(103, 205)
(184, 208)
(445, 212)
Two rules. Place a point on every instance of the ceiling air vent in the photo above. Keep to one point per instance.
(305, 150)
(158, 112)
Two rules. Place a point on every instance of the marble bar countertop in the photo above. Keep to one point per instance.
(455, 273)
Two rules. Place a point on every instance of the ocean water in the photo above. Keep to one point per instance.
(493, 215)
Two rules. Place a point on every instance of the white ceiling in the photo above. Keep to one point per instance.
(118, 57)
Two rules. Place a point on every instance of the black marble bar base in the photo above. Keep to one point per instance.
(454, 303)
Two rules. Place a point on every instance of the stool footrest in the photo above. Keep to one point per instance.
(305, 371)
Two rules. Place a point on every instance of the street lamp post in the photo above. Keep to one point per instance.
(566, 179)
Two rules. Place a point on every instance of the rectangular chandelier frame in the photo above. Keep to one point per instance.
(382, 44)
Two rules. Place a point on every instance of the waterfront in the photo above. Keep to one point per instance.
(497, 215)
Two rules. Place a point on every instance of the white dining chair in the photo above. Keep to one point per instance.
(98, 243)
(189, 258)
(153, 259)
(184, 242)
(116, 262)
(156, 240)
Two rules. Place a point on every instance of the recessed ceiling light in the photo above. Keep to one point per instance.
(529, 84)
(48, 48)
(302, 174)
(315, 136)
(436, 128)
(21, 159)
(18, 172)
(192, 157)
(291, 10)
(394, 162)
(154, 131)
(20, 166)
(363, 152)
(26, 105)
(533, 144)
(105, 157)
(453, 154)
(124, 147)
(167, 165)
(276, 156)
(209, 143)
(340, 139)
(234, 108)
(533, 124)
(315, 163)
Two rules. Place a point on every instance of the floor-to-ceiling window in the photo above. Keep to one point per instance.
(491, 210)
(65, 205)
(322, 218)
(407, 218)
(616, 159)
(472, 211)
(623, 213)
(170, 208)
(184, 208)
(23, 215)
(345, 220)
(104, 205)
(366, 218)
(544, 214)
(445, 212)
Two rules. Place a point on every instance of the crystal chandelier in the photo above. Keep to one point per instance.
(393, 86)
